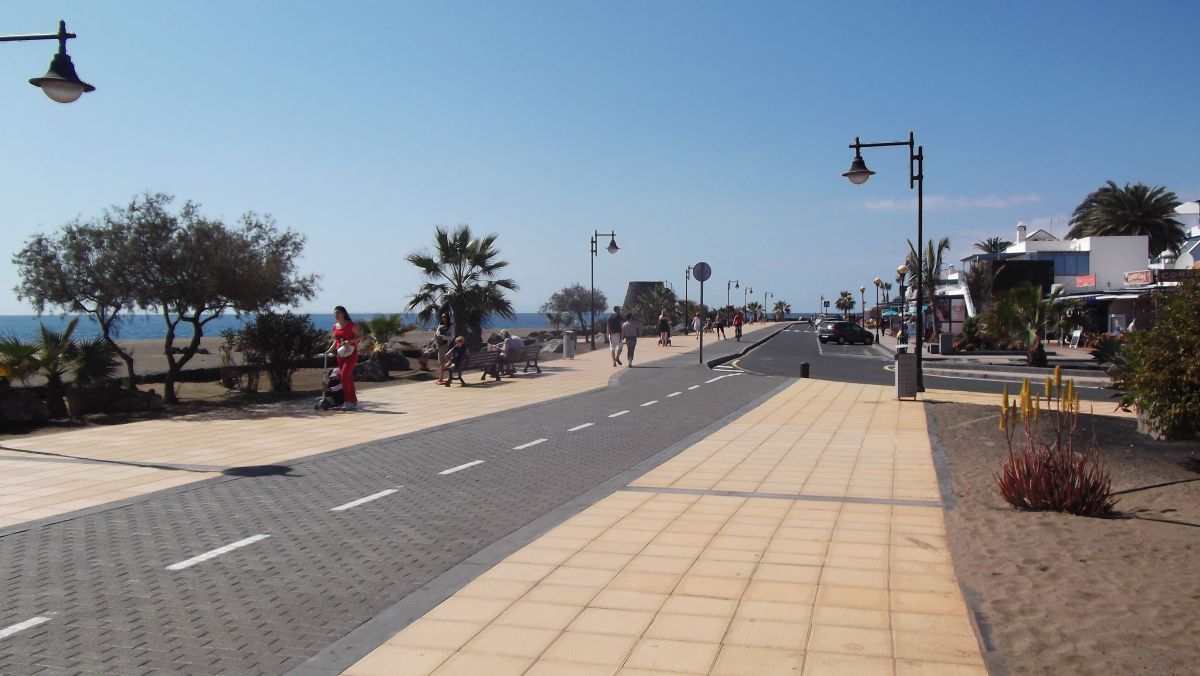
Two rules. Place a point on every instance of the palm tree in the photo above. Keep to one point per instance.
(845, 303)
(651, 303)
(753, 308)
(1133, 210)
(1022, 311)
(929, 275)
(993, 245)
(781, 310)
(461, 275)
(54, 355)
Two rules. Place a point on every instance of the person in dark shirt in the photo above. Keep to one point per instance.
(614, 334)
(454, 357)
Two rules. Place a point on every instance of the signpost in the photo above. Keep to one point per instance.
(701, 271)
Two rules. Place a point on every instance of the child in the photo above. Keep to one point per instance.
(331, 392)
(454, 356)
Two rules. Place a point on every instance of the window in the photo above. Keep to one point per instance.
(1066, 263)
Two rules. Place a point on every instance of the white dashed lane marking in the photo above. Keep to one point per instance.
(22, 626)
(524, 446)
(452, 470)
(618, 414)
(694, 387)
(217, 552)
(674, 394)
(651, 402)
(362, 501)
(580, 427)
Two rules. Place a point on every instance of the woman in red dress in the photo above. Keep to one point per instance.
(345, 346)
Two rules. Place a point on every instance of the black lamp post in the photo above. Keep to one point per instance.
(766, 295)
(746, 296)
(902, 271)
(612, 249)
(60, 82)
(735, 284)
(879, 318)
(862, 303)
(859, 173)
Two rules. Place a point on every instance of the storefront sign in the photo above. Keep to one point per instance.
(1177, 275)
(1139, 277)
(1085, 280)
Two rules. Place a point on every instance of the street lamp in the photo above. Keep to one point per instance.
(766, 295)
(612, 249)
(745, 296)
(859, 173)
(60, 82)
(735, 284)
(862, 303)
(902, 271)
(879, 319)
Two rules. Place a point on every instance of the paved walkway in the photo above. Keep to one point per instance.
(97, 465)
(806, 537)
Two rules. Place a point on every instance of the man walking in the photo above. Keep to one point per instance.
(614, 334)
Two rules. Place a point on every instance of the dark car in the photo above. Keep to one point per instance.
(844, 332)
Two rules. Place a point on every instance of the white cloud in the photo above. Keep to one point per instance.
(947, 203)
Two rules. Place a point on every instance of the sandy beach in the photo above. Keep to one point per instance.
(1060, 594)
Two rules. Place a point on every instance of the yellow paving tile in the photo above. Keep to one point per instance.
(736, 660)
(602, 649)
(826, 664)
(687, 656)
(390, 659)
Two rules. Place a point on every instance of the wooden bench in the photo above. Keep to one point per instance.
(487, 361)
(528, 354)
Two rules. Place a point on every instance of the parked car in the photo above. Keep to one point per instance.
(844, 332)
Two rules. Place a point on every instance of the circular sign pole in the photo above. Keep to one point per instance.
(702, 271)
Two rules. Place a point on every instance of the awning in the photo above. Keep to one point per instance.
(890, 313)
(1118, 296)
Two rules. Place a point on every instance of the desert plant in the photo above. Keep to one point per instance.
(1048, 474)
(1160, 374)
(95, 362)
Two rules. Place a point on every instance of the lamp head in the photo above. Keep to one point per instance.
(862, 289)
(878, 281)
(859, 173)
(60, 82)
(902, 269)
(612, 245)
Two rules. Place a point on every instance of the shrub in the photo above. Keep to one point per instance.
(276, 344)
(1050, 475)
(1161, 374)
(1107, 348)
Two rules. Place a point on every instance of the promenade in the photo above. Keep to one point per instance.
(805, 537)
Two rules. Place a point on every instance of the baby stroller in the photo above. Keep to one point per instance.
(331, 388)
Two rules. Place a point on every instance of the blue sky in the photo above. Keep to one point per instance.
(695, 130)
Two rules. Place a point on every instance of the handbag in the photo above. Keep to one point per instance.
(345, 350)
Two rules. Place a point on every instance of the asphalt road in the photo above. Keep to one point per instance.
(871, 364)
(257, 574)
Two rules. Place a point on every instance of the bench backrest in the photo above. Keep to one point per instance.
(480, 358)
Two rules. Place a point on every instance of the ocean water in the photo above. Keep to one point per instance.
(152, 327)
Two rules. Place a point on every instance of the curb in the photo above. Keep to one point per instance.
(738, 355)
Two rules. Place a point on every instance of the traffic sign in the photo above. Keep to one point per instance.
(701, 271)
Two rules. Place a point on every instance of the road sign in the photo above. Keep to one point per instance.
(701, 271)
(826, 303)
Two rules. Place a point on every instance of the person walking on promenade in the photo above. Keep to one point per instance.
(719, 324)
(629, 331)
(614, 334)
(697, 325)
(444, 331)
(738, 319)
(345, 346)
(664, 329)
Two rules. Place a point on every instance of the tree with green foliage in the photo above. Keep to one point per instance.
(993, 245)
(1134, 209)
(845, 303)
(651, 304)
(929, 275)
(575, 299)
(86, 268)
(192, 269)
(781, 310)
(1159, 372)
(461, 274)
